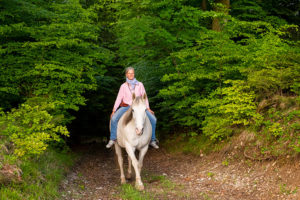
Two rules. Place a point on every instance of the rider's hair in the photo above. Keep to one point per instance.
(128, 68)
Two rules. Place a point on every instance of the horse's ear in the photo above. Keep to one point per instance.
(133, 96)
(144, 97)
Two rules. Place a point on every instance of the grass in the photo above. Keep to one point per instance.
(129, 192)
(284, 189)
(156, 187)
(225, 162)
(164, 183)
(197, 145)
(41, 177)
(210, 174)
(205, 196)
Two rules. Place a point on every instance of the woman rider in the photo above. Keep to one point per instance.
(124, 100)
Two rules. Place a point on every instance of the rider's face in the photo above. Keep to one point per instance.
(130, 74)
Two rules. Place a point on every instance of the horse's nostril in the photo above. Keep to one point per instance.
(139, 131)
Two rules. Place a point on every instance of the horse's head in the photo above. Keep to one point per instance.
(138, 109)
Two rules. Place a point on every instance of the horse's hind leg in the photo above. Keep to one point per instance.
(138, 182)
(120, 161)
(129, 172)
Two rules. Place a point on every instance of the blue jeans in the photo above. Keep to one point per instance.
(119, 113)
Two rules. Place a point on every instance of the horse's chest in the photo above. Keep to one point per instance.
(139, 142)
(126, 134)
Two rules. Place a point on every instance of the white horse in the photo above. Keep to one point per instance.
(134, 132)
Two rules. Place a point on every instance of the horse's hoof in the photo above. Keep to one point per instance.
(128, 176)
(123, 181)
(139, 187)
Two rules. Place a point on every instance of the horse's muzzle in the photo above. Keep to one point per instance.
(139, 131)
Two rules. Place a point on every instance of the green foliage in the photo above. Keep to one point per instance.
(275, 12)
(203, 81)
(54, 58)
(148, 32)
(56, 48)
(31, 128)
(199, 71)
(247, 10)
(233, 105)
(275, 66)
(284, 9)
(50, 56)
(253, 11)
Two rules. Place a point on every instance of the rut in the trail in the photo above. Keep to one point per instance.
(169, 176)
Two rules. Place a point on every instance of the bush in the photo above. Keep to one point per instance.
(229, 106)
(30, 128)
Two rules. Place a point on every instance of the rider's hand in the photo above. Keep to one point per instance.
(151, 111)
(113, 112)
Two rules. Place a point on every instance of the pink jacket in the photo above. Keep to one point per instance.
(125, 94)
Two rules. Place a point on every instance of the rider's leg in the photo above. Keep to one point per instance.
(152, 119)
(114, 123)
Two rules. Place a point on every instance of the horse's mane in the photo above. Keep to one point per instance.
(128, 113)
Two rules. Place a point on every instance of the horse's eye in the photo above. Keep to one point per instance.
(132, 110)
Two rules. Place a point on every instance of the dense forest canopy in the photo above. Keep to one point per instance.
(207, 67)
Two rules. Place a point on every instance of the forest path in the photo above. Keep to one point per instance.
(173, 176)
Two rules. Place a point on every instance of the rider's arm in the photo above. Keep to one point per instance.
(119, 98)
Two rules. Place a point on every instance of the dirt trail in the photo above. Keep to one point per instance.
(171, 176)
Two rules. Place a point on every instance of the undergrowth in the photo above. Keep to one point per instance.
(278, 130)
(40, 178)
(274, 132)
(194, 144)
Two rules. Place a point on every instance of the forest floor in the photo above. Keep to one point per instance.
(181, 176)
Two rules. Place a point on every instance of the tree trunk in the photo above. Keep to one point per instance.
(216, 26)
(204, 5)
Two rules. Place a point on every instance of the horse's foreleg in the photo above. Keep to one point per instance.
(120, 161)
(129, 172)
(138, 182)
(141, 157)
